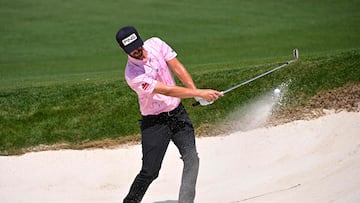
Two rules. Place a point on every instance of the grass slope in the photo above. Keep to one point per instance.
(61, 75)
(94, 111)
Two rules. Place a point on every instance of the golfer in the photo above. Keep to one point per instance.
(149, 73)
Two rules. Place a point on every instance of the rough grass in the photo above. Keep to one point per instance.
(87, 112)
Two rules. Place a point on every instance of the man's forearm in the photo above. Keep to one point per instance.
(176, 91)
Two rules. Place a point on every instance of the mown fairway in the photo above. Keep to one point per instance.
(61, 72)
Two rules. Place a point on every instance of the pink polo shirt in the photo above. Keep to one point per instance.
(142, 77)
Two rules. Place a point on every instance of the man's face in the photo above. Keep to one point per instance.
(137, 53)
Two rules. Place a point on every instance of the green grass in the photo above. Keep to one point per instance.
(61, 71)
(90, 111)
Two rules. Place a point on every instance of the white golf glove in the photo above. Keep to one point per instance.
(203, 101)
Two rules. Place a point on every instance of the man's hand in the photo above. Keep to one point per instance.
(208, 96)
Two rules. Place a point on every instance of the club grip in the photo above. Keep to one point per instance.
(195, 104)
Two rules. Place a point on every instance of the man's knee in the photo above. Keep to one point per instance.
(191, 158)
(148, 175)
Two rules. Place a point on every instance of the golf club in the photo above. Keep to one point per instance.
(296, 57)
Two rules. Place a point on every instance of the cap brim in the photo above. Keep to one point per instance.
(131, 47)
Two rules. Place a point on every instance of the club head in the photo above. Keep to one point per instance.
(296, 54)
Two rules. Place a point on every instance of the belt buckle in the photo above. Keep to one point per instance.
(169, 113)
(173, 112)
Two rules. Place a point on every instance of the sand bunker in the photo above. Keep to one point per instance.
(302, 161)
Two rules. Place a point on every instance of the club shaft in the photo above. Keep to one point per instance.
(296, 57)
(257, 77)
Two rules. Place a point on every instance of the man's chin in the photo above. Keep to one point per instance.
(140, 56)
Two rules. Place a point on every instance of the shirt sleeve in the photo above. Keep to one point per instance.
(167, 52)
(142, 84)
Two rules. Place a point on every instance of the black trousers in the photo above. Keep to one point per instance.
(156, 133)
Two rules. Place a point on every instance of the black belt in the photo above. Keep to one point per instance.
(177, 110)
(170, 118)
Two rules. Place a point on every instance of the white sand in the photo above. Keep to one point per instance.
(303, 161)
